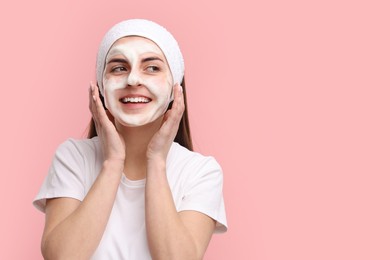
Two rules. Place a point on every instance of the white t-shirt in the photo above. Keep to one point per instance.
(195, 181)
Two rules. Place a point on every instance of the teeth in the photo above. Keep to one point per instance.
(135, 100)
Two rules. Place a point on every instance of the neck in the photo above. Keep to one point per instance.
(136, 140)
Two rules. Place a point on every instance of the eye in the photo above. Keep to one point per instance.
(118, 69)
(152, 68)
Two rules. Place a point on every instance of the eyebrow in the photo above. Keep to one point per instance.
(117, 60)
(151, 59)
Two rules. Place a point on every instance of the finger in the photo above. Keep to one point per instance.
(92, 99)
(174, 115)
(178, 103)
(92, 107)
(99, 110)
(90, 96)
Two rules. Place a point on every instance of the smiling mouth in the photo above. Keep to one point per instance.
(135, 100)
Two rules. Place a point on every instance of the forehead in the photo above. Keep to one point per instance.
(134, 44)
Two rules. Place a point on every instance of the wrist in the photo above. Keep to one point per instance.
(156, 164)
(115, 165)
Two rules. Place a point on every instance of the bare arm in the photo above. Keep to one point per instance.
(73, 229)
(171, 235)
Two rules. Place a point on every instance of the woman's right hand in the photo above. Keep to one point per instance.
(111, 141)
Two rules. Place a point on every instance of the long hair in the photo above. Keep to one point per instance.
(183, 136)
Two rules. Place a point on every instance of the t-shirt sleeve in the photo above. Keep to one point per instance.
(203, 193)
(65, 178)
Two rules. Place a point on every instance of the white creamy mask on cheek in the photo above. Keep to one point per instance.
(137, 82)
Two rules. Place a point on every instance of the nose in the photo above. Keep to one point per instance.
(134, 78)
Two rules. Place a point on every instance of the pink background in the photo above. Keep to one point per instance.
(291, 97)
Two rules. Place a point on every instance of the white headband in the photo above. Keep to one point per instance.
(147, 29)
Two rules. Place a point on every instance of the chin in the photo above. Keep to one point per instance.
(134, 123)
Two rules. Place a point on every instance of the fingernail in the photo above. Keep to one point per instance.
(181, 88)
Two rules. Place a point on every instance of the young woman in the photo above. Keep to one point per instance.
(134, 189)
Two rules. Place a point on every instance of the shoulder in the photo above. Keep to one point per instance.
(192, 162)
(179, 153)
(199, 180)
(81, 152)
(79, 147)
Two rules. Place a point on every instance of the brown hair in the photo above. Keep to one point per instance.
(183, 136)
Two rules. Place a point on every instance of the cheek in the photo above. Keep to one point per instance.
(111, 84)
(161, 89)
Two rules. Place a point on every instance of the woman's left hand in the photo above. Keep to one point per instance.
(161, 142)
